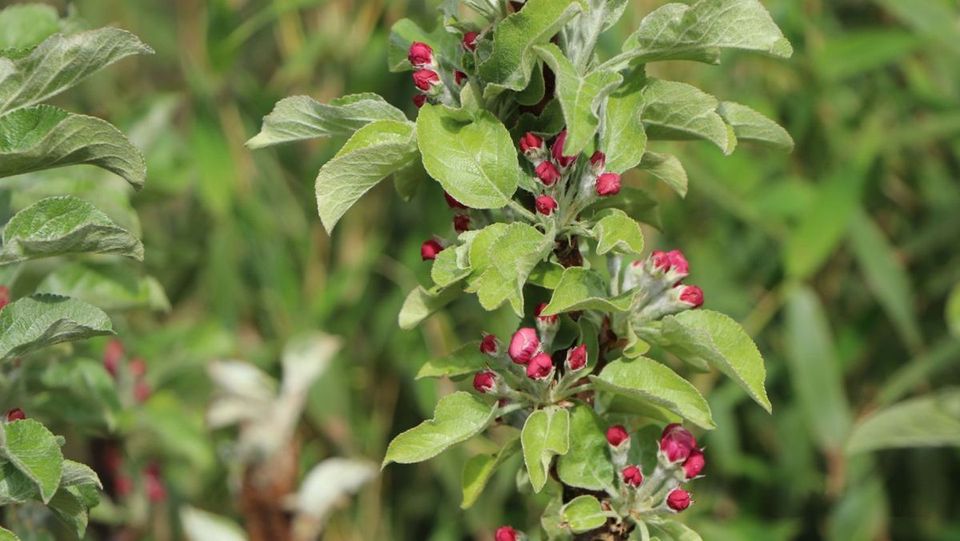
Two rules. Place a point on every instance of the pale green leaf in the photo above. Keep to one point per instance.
(44, 137)
(374, 152)
(23, 26)
(583, 514)
(749, 125)
(35, 452)
(15, 487)
(466, 359)
(457, 418)
(678, 111)
(7, 535)
(705, 335)
(583, 289)
(111, 286)
(34, 322)
(327, 484)
(615, 231)
(927, 421)
(60, 62)
(546, 275)
(953, 311)
(64, 225)
(587, 464)
(475, 161)
(421, 303)
(580, 97)
(582, 33)
(646, 379)
(671, 530)
(72, 504)
(624, 138)
(77, 474)
(199, 525)
(545, 434)
(299, 118)
(666, 168)
(446, 269)
(479, 469)
(501, 262)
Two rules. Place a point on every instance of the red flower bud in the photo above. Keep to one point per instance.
(419, 100)
(424, 79)
(112, 355)
(420, 54)
(694, 463)
(470, 41)
(540, 366)
(461, 223)
(676, 443)
(598, 160)
(608, 184)
(141, 392)
(577, 357)
(678, 262)
(557, 151)
(429, 249)
(632, 476)
(546, 204)
(490, 345)
(678, 499)
(530, 142)
(156, 491)
(4, 296)
(549, 320)
(524, 345)
(692, 295)
(616, 435)
(16, 414)
(453, 203)
(485, 381)
(548, 173)
(138, 367)
(505, 533)
(660, 260)
(459, 77)
(123, 485)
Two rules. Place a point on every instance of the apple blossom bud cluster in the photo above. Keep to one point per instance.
(659, 279)
(430, 77)
(131, 375)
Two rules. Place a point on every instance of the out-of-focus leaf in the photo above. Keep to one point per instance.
(861, 513)
(7, 535)
(928, 421)
(323, 488)
(953, 311)
(861, 51)
(200, 525)
(933, 18)
(466, 359)
(421, 303)
(41, 320)
(478, 470)
(457, 418)
(110, 286)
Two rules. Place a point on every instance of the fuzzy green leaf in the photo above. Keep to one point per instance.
(927, 421)
(587, 464)
(479, 469)
(678, 111)
(583, 289)
(35, 452)
(421, 303)
(624, 138)
(501, 259)
(750, 125)
(583, 514)
(23, 26)
(646, 379)
(666, 168)
(64, 225)
(615, 231)
(457, 418)
(466, 359)
(7, 535)
(42, 320)
(545, 434)
(111, 286)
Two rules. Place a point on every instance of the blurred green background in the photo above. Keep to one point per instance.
(838, 258)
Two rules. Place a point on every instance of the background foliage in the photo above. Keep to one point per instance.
(839, 259)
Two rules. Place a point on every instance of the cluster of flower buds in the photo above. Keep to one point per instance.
(427, 71)
(113, 357)
(659, 278)
(123, 484)
(4, 296)
(679, 460)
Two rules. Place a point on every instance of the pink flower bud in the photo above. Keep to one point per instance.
(485, 381)
(470, 41)
(461, 223)
(577, 357)
(459, 77)
(505, 533)
(694, 463)
(540, 366)
(16, 414)
(138, 367)
(420, 54)
(429, 249)
(632, 476)
(678, 499)
(141, 392)
(597, 161)
(419, 100)
(156, 491)
(547, 320)
(678, 262)
(692, 295)
(4, 296)
(616, 435)
(676, 443)
(112, 355)
(524, 345)
(425, 79)
(608, 184)
(123, 485)
(557, 151)
(530, 143)
(453, 203)
(548, 173)
(490, 345)
(546, 204)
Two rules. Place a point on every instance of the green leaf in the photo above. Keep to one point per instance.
(927, 421)
(77, 474)
(545, 434)
(666, 168)
(15, 487)
(61, 62)
(587, 464)
(199, 525)
(583, 514)
(513, 58)
(953, 311)
(672, 530)
(710, 336)
(421, 303)
(71, 505)
(446, 269)
(699, 31)
(458, 417)
(44, 137)
(635, 202)
(615, 231)
(624, 138)
(749, 125)
(23, 26)
(546, 275)
(580, 97)
(466, 359)
(7, 535)
(479, 469)
(112, 287)
(583, 289)
(475, 161)
(299, 118)
(678, 111)
(646, 379)
(64, 225)
(41, 320)
(374, 152)
(35, 452)
(501, 262)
